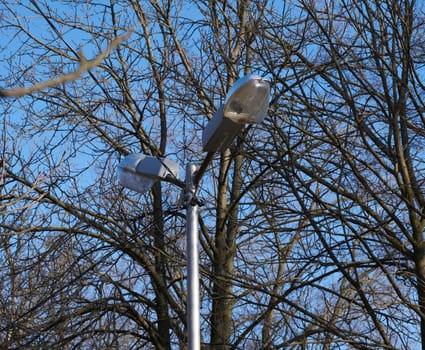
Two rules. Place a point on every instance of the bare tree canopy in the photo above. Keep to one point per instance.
(312, 232)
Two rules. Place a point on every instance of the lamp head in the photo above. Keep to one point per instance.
(248, 100)
(139, 172)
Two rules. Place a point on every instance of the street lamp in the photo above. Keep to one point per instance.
(246, 102)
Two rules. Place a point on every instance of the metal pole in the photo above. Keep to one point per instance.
(192, 256)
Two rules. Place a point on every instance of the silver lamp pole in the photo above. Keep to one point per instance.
(192, 257)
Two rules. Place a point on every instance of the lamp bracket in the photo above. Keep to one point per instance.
(189, 198)
(197, 201)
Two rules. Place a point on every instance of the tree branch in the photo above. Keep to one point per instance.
(85, 66)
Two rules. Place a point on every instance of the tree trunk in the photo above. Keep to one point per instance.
(224, 253)
(162, 311)
(420, 273)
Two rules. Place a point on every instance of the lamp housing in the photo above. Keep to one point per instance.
(219, 132)
(246, 102)
(139, 172)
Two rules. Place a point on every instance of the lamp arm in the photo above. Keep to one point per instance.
(173, 180)
(202, 168)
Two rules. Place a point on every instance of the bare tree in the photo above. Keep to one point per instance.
(352, 160)
(312, 231)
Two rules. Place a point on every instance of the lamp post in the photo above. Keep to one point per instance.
(246, 102)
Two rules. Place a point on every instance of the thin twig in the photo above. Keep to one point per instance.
(85, 66)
